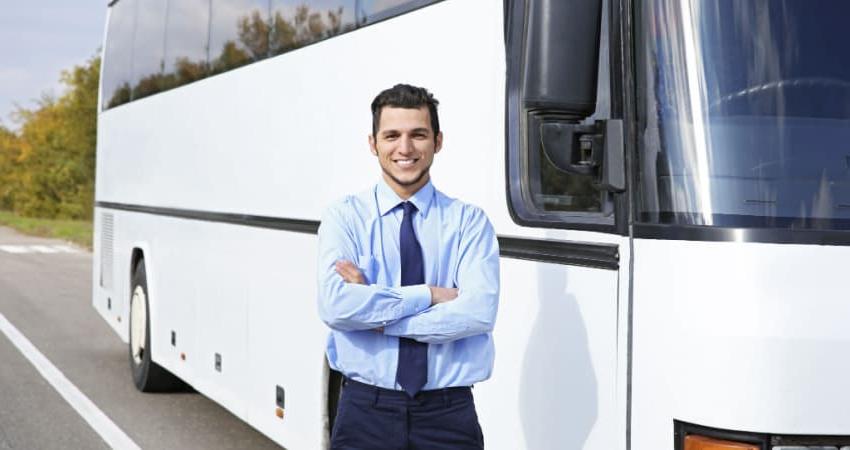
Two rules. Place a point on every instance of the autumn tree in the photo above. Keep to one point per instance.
(47, 167)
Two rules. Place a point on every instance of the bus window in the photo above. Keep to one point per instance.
(148, 47)
(239, 33)
(371, 11)
(117, 59)
(296, 23)
(553, 190)
(186, 34)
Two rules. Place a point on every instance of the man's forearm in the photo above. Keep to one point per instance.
(351, 307)
(442, 295)
(473, 312)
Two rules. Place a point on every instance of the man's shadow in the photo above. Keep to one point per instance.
(558, 394)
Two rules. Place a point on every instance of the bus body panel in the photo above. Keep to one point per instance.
(556, 358)
(107, 299)
(555, 381)
(237, 143)
(742, 336)
(245, 129)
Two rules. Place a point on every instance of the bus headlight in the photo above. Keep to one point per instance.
(698, 437)
(697, 442)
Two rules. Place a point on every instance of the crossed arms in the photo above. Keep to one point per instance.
(432, 314)
(352, 274)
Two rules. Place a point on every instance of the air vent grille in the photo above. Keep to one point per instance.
(107, 235)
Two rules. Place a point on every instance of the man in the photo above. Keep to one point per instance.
(409, 285)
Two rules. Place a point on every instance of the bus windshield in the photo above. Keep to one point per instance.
(745, 114)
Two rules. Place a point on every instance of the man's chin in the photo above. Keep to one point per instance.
(408, 181)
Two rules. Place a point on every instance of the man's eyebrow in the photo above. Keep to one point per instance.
(415, 130)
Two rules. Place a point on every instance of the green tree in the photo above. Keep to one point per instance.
(9, 154)
(47, 168)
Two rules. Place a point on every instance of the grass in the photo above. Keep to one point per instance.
(77, 231)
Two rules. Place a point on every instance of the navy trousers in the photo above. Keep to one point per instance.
(372, 418)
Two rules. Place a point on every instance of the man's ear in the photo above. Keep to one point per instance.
(438, 142)
(372, 145)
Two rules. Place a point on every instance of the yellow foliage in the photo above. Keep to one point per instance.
(47, 167)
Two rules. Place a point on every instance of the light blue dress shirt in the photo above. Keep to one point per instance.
(459, 249)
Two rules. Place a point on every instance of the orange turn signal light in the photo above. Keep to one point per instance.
(278, 412)
(697, 442)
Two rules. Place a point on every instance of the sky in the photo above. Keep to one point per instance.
(39, 39)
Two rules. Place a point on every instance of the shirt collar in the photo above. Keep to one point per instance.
(388, 199)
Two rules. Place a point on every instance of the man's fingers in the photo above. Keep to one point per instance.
(349, 272)
(345, 267)
(345, 272)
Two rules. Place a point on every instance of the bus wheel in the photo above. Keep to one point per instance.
(148, 376)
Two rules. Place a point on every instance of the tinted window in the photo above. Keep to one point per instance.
(296, 23)
(148, 48)
(239, 33)
(186, 36)
(117, 58)
(374, 10)
(745, 122)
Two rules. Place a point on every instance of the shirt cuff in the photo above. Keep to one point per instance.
(415, 299)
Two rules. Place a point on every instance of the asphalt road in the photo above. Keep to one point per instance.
(45, 292)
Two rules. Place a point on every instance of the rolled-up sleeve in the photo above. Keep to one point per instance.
(348, 306)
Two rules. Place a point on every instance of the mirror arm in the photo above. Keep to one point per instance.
(590, 150)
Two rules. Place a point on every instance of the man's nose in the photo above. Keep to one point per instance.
(405, 145)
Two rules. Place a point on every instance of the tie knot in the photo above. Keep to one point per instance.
(409, 208)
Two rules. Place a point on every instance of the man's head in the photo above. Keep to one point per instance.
(405, 96)
(405, 136)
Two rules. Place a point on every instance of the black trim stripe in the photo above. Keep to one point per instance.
(275, 223)
(600, 256)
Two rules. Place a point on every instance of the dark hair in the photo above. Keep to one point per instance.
(405, 96)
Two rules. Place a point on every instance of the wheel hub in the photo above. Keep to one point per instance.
(138, 320)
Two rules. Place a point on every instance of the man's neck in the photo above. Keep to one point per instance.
(405, 192)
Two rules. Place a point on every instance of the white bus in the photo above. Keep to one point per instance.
(669, 181)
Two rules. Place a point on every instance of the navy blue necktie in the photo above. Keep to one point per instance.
(412, 370)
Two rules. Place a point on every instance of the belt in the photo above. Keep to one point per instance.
(444, 393)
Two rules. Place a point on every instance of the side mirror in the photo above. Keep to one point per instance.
(561, 55)
(561, 59)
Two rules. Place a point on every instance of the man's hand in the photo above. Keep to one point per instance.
(349, 272)
(442, 295)
(352, 274)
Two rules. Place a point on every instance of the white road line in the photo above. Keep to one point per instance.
(43, 249)
(105, 427)
(14, 248)
(38, 249)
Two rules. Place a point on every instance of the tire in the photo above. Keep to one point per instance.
(148, 376)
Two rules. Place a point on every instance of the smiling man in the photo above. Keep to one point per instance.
(409, 285)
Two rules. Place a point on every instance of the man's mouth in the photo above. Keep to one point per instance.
(406, 162)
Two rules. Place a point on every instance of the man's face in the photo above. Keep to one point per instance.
(405, 146)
